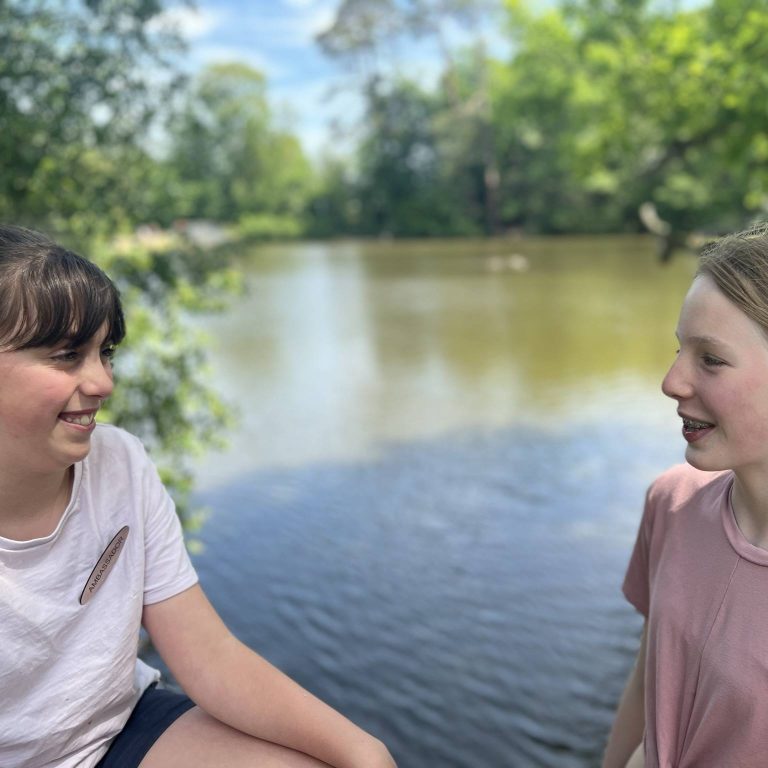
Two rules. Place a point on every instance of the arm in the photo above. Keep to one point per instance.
(626, 737)
(240, 688)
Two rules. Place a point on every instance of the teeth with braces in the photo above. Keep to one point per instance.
(691, 424)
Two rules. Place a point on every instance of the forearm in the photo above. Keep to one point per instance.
(245, 691)
(238, 687)
(629, 725)
(627, 731)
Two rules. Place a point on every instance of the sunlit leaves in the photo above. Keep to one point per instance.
(653, 101)
(163, 391)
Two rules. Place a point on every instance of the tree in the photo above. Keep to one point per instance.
(398, 162)
(163, 393)
(630, 102)
(80, 84)
(460, 130)
(604, 108)
(361, 28)
(75, 77)
(539, 127)
(230, 155)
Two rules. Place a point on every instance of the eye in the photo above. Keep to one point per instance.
(66, 356)
(109, 352)
(711, 362)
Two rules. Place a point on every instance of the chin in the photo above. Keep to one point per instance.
(73, 455)
(703, 462)
(80, 455)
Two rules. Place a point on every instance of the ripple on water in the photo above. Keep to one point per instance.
(460, 597)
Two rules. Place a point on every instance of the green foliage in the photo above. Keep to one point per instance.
(74, 77)
(230, 158)
(334, 207)
(540, 127)
(364, 27)
(425, 165)
(80, 84)
(163, 392)
(398, 159)
(269, 226)
(94, 192)
(603, 105)
(636, 102)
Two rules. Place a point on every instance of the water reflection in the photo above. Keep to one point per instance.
(429, 501)
(459, 597)
(337, 347)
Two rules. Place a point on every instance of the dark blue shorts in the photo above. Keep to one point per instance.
(151, 717)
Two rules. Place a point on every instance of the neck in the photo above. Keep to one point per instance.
(32, 507)
(750, 507)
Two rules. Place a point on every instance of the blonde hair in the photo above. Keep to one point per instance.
(738, 265)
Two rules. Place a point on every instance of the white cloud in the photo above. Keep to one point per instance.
(293, 28)
(277, 38)
(321, 19)
(190, 23)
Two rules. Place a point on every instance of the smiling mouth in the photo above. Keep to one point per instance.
(83, 420)
(691, 425)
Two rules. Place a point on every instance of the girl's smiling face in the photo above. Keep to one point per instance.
(720, 382)
(48, 401)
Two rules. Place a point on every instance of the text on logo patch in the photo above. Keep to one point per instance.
(104, 565)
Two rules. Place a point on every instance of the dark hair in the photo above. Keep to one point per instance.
(49, 294)
(738, 265)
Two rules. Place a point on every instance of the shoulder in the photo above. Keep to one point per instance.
(118, 466)
(683, 483)
(108, 438)
(113, 449)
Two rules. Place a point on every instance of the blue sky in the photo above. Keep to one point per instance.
(306, 89)
(277, 38)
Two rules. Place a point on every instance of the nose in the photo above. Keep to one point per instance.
(677, 384)
(96, 378)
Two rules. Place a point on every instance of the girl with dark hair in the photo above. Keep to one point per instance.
(91, 548)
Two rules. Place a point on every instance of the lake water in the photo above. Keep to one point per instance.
(435, 480)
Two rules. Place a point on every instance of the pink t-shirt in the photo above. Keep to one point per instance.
(704, 589)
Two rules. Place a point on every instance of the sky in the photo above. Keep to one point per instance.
(306, 88)
(277, 37)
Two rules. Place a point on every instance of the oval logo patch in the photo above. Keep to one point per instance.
(106, 562)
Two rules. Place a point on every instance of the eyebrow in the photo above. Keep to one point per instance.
(711, 340)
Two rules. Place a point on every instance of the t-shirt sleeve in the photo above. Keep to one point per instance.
(636, 585)
(167, 567)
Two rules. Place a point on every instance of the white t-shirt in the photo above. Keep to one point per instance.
(70, 609)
